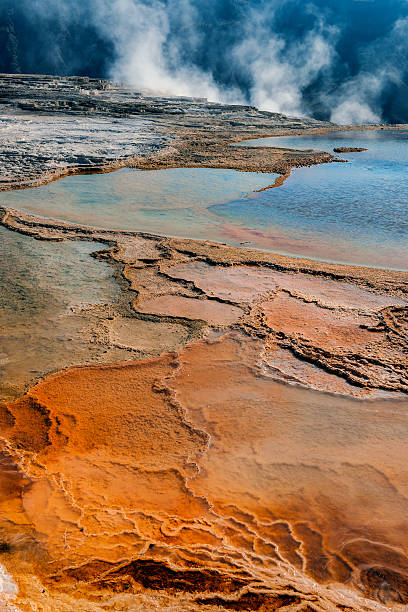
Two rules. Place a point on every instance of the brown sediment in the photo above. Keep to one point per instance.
(177, 133)
(131, 130)
(84, 316)
(172, 250)
(215, 313)
(146, 336)
(195, 146)
(194, 149)
(362, 348)
(242, 282)
(278, 182)
(349, 149)
(195, 480)
(203, 151)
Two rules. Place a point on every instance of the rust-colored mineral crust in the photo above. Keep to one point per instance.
(326, 326)
(197, 479)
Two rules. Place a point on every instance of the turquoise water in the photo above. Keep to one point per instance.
(354, 212)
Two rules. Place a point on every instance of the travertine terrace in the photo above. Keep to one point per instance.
(55, 126)
(220, 449)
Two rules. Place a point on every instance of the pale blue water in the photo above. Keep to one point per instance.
(174, 201)
(356, 212)
(353, 212)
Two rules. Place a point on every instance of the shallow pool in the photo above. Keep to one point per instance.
(354, 212)
(44, 289)
(174, 202)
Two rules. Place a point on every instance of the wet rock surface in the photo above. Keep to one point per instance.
(190, 490)
(37, 148)
(345, 321)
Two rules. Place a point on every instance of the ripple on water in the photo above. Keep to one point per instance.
(353, 212)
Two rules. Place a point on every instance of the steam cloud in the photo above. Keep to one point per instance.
(346, 60)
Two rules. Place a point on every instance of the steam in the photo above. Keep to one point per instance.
(158, 46)
(382, 67)
(279, 70)
(150, 40)
(358, 99)
(344, 61)
(150, 56)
